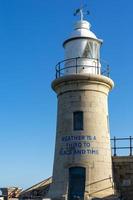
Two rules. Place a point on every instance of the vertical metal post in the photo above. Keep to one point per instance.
(114, 146)
(76, 65)
(108, 71)
(56, 71)
(59, 69)
(130, 138)
(97, 67)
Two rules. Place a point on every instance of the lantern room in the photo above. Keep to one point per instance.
(82, 51)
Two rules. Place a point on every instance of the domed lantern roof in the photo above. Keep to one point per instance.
(82, 29)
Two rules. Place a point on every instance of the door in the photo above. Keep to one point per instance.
(76, 183)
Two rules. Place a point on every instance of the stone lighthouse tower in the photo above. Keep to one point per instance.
(82, 163)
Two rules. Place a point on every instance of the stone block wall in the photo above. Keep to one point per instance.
(123, 176)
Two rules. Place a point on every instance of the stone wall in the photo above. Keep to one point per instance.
(88, 147)
(123, 176)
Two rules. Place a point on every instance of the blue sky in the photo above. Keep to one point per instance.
(31, 36)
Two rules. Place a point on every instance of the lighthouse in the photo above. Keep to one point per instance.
(82, 162)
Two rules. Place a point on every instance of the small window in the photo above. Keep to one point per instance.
(78, 121)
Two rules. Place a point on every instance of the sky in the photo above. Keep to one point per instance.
(31, 37)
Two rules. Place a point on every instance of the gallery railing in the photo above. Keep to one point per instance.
(79, 64)
(125, 144)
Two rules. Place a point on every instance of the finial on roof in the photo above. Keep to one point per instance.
(80, 11)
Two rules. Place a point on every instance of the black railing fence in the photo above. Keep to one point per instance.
(79, 64)
(125, 144)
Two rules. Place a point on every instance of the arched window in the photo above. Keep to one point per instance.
(78, 121)
(76, 183)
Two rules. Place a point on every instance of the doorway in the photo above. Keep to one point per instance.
(76, 183)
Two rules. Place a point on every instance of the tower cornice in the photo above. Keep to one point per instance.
(90, 78)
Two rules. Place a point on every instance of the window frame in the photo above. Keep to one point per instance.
(78, 120)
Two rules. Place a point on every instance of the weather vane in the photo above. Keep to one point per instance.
(80, 11)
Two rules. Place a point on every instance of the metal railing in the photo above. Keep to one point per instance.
(118, 145)
(77, 65)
